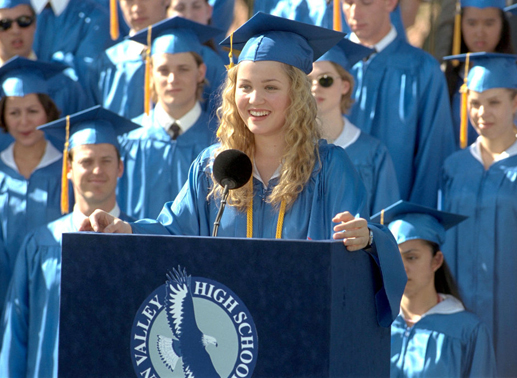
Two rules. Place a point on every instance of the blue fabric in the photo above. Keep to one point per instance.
(116, 79)
(310, 217)
(373, 162)
(483, 3)
(68, 94)
(481, 251)
(156, 167)
(442, 345)
(31, 320)
(222, 14)
(24, 205)
(75, 38)
(401, 98)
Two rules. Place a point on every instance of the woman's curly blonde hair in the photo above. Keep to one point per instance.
(301, 137)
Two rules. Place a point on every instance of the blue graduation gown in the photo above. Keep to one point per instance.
(31, 320)
(156, 167)
(442, 345)
(401, 98)
(24, 205)
(482, 250)
(75, 37)
(373, 163)
(116, 79)
(68, 95)
(310, 217)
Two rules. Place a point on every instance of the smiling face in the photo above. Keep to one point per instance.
(94, 170)
(176, 78)
(194, 10)
(481, 28)
(22, 116)
(140, 14)
(327, 98)
(491, 113)
(420, 266)
(16, 40)
(262, 96)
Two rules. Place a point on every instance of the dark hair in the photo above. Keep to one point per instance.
(452, 73)
(444, 282)
(48, 105)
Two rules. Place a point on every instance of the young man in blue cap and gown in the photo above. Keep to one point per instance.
(159, 154)
(16, 39)
(72, 32)
(301, 188)
(31, 320)
(481, 183)
(433, 336)
(30, 166)
(332, 87)
(401, 99)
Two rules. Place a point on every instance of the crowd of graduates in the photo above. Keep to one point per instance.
(121, 106)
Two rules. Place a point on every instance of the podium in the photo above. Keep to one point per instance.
(310, 305)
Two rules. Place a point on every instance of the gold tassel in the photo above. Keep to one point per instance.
(147, 82)
(464, 119)
(230, 54)
(456, 40)
(64, 173)
(114, 20)
(337, 16)
(382, 217)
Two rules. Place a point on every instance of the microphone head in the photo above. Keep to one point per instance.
(232, 168)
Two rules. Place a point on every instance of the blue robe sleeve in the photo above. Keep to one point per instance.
(481, 358)
(68, 95)
(222, 14)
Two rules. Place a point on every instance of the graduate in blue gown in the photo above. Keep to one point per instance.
(484, 28)
(300, 189)
(72, 32)
(481, 182)
(433, 336)
(332, 87)
(31, 320)
(157, 160)
(30, 166)
(401, 99)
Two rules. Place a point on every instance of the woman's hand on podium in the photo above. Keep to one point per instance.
(101, 221)
(354, 231)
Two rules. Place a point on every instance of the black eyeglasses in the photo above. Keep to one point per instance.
(22, 21)
(325, 81)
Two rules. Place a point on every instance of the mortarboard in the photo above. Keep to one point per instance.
(20, 76)
(265, 37)
(512, 9)
(172, 36)
(91, 126)
(346, 53)
(408, 221)
(483, 3)
(490, 70)
(13, 3)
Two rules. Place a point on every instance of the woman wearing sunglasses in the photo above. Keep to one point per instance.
(332, 88)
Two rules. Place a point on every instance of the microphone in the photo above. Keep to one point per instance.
(232, 169)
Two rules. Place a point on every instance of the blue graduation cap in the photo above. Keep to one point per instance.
(490, 70)
(484, 3)
(20, 76)
(176, 35)
(91, 126)
(346, 53)
(409, 221)
(512, 9)
(267, 37)
(13, 3)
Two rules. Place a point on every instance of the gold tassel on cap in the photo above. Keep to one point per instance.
(456, 39)
(337, 16)
(230, 54)
(64, 178)
(463, 114)
(147, 83)
(382, 217)
(114, 32)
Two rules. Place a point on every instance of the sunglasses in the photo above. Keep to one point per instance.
(325, 81)
(22, 21)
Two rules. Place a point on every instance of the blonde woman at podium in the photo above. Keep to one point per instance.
(301, 187)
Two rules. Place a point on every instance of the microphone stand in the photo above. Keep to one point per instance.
(221, 209)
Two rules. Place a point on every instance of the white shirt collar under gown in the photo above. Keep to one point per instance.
(78, 217)
(50, 156)
(163, 118)
(448, 305)
(382, 44)
(475, 150)
(349, 135)
(58, 6)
